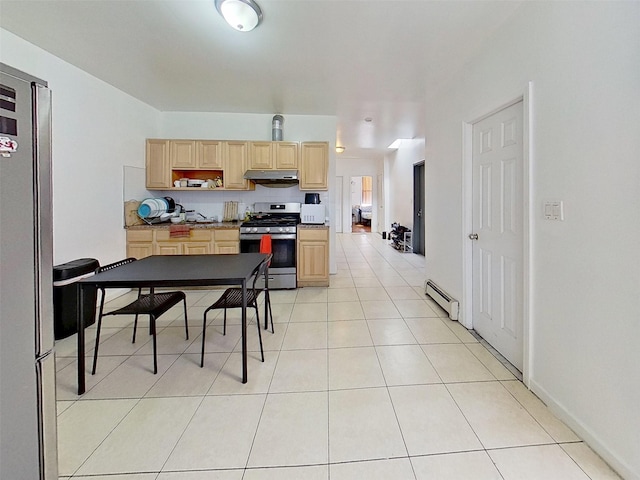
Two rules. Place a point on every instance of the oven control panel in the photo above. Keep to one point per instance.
(273, 230)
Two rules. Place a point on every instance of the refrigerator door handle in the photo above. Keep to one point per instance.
(43, 219)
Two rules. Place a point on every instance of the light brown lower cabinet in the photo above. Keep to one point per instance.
(143, 243)
(313, 257)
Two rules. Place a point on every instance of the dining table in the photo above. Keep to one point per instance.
(172, 271)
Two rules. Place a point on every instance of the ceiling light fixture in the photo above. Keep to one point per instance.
(339, 149)
(243, 15)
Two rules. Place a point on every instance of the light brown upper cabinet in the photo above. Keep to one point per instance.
(314, 165)
(235, 164)
(209, 154)
(270, 155)
(158, 170)
(182, 153)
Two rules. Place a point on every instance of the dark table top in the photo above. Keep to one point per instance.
(180, 270)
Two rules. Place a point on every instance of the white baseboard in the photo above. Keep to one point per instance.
(585, 433)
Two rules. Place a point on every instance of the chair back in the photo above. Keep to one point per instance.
(260, 270)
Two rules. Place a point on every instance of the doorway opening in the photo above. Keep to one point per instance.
(361, 204)
(418, 208)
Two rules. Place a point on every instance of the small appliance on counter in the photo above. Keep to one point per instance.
(311, 198)
(312, 214)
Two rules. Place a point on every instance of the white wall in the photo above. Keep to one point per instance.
(398, 165)
(584, 61)
(355, 167)
(97, 129)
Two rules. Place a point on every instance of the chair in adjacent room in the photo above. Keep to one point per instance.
(232, 298)
(152, 304)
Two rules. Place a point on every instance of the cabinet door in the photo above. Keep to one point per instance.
(227, 248)
(139, 250)
(312, 261)
(167, 248)
(261, 155)
(235, 164)
(286, 154)
(196, 248)
(158, 171)
(209, 154)
(183, 153)
(314, 157)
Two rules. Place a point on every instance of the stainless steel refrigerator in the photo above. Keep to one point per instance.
(27, 366)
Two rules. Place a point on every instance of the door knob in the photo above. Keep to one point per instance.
(473, 236)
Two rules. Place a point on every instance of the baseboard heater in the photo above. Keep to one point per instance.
(442, 298)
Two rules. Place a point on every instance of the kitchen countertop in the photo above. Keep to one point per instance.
(165, 226)
(315, 225)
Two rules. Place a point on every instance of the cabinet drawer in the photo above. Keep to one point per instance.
(139, 235)
(317, 234)
(232, 234)
(195, 235)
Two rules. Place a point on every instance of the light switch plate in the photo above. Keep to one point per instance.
(554, 210)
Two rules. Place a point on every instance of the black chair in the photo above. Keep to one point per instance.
(232, 298)
(152, 304)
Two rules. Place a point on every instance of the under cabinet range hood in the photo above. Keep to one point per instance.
(273, 178)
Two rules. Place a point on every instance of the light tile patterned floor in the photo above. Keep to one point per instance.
(366, 379)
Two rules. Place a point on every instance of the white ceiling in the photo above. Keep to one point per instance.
(352, 59)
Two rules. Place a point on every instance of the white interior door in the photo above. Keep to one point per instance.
(498, 310)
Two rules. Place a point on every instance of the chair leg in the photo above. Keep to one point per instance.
(268, 305)
(135, 327)
(224, 325)
(95, 350)
(259, 331)
(186, 325)
(204, 332)
(135, 321)
(152, 326)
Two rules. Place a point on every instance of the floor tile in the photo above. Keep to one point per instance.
(309, 312)
(219, 435)
(185, 377)
(342, 295)
(76, 442)
(353, 333)
(144, 439)
(132, 378)
(352, 433)
(490, 362)
(380, 309)
(341, 282)
(317, 472)
(259, 375)
(366, 294)
(533, 463)
(430, 420)
(345, 311)
(496, 417)
(366, 282)
(414, 308)
(456, 466)
(292, 430)
(406, 365)
(403, 292)
(310, 335)
(455, 363)
(396, 469)
(538, 410)
(312, 295)
(300, 370)
(354, 368)
(589, 461)
(431, 330)
(390, 331)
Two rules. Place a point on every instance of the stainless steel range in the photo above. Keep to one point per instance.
(280, 221)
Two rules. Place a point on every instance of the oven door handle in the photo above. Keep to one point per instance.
(274, 236)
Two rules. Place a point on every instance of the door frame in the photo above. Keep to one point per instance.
(527, 216)
(417, 195)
